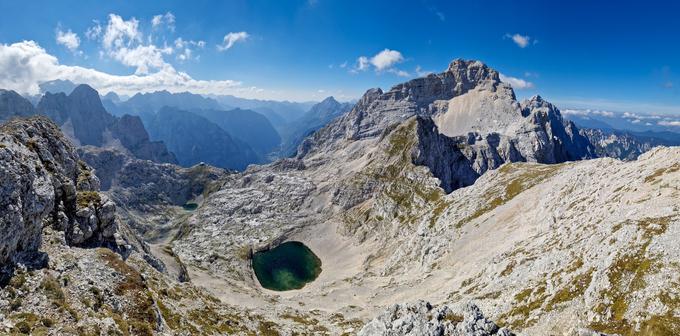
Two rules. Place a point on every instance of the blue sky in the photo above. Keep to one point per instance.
(578, 54)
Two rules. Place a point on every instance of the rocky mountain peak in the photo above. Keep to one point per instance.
(460, 77)
(473, 70)
(13, 104)
(329, 100)
(87, 96)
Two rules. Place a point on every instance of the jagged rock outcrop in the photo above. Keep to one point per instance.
(421, 318)
(82, 110)
(469, 104)
(45, 183)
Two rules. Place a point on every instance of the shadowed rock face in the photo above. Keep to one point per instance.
(82, 115)
(14, 105)
(248, 126)
(130, 131)
(194, 139)
(317, 117)
(83, 109)
(45, 183)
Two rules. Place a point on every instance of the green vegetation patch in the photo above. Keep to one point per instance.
(87, 198)
(521, 177)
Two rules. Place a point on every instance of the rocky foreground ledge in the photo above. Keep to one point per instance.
(421, 318)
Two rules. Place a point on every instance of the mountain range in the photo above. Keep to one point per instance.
(83, 118)
(442, 206)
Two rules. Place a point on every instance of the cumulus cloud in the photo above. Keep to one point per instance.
(121, 40)
(382, 61)
(68, 39)
(143, 57)
(521, 41)
(120, 33)
(386, 59)
(24, 65)
(231, 38)
(516, 83)
(400, 73)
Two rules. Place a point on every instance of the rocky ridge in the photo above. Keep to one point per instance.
(420, 318)
(400, 200)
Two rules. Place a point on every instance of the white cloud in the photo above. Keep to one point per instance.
(382, 61)
(343, 64)
(517, 83)
(400, 73)
(181, 43)
(68, 39)
(521, 41)
(185, 48)
(24, 65)
(93, 33)
(167, 18)
(120, 33)
(586, 112)
(386, 59)
(143, 57)
(674, 123)
(231, 38)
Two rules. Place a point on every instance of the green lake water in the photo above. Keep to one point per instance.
(190, 206)
(288, 266)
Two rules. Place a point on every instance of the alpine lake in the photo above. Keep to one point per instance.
(288, 266)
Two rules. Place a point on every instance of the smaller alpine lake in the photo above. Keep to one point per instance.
(290, 265)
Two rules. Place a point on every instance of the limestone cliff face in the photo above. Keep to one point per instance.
(59, 270)
(469, 104)
(45, 183)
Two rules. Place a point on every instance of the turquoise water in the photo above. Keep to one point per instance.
(290, 265)
(190, 206)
